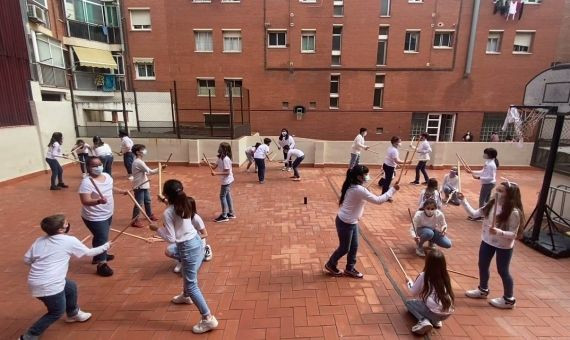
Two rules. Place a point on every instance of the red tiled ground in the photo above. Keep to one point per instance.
(265, 281)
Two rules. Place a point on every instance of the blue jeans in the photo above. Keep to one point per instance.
(100, 231)
(486, 253)
(485, 193)
(354, 159)
(348, 244)
(260, 169)
(296, 164)
(128, 159)
(107, 164)
(226, 200)
(421, 167)
(62, 302)
(420, 311)
(191, 255)
(83, 158)
(143, 197)
(56, 171)
(432, 235)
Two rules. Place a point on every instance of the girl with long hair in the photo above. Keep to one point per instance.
(436, 298)
(82, 149)
(430, 192)
(503, 221)
(352, 199)
(431, 227)
(224, 163)
(178, 228)
(54, 151)
(286, 139)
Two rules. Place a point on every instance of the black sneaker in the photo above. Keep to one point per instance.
(109, 258)
(332, 270)
(424, 183)
(415, 183)
(231, 216)
(221, 218)
(104, 270)
(63, 185)
(353, 273)
(54, 188)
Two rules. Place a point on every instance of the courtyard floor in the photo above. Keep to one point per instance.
(265, 280)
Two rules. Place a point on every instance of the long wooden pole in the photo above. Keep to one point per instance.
(413, 154)
(121, 232)
(399, 264)
(413, 224)
(459, 175)
(139, 206)
(463, 274)
(70, 159)
(208, 162)
(404, 165)
(128, 234)
(96, 187)
(463, 162)
(159, 179)
(86, 238)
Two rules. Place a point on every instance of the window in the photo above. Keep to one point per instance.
(533, 2)
(308, 1)
(308, 41)
(201, 1)
(231, 1)
(336, 45)
(494, 42)
(493, 122)
(277, 39)
(88, 11)
(338, 8)
(443, 39)
(51, 97)
(285, 105)
(415, 1)
(378, 91)
(50, 51)
(111, 16)
(144, 69)
(334, 91)
(203, 40)
(42, 3)
(236, 84)
(382, 45)
(120, 63)
(438, 126)
(523, 42)
(385, 8)
(312, 105)
(232, 41)
(140, 19)
(206, 87)
(412, 41)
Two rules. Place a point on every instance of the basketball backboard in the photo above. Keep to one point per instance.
(550, 88)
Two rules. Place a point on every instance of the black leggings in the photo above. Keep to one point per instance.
(388, 174)
(421, 167)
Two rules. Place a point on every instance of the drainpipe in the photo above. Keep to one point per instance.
(472, 36)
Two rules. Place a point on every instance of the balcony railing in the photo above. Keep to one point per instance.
(48, 75)
(91, 81)
(84, 30)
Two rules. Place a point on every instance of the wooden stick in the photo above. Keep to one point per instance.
(399, 264)
(496, 197)
(463, 274)
(96, 187)
(86, 238)
(139, 206)
(121, 232)
(463, 162)
(372, 151)
(374, 180)
(128, 234)
(459, 175)
(413, 154)
(413, 225)
(160, 179)
(402, 171)
(140, 185)
(70, 159)
(208, 162)
(118, 153)
(373, 145)
(168, 159)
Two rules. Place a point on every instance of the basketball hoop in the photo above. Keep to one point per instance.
(525, 120)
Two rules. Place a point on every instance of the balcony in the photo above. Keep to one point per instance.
(52, 76)
(95, 81)
(84, 30)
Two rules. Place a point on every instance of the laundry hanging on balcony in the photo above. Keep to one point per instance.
(509, 7)
(109, 83)
(92, 57)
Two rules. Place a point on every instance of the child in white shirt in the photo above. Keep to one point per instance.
(249, 152)
(487, 175)
(430, 192)
(450, 186)
(54, 151)
(224, 163)
(141, 184)
(431, 226)
(104, 152)
(423, 149)
(82, 149)
(260, 155)
(49, 258)
(286, 140)
(126, 150)
(357, 146)
(299, 157)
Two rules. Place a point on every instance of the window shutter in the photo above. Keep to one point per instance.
(140, 17)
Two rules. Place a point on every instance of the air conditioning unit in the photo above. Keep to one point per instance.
(36, 14)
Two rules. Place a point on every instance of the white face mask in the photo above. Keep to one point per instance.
(283, 133)
(398, 144)
(366, 178)
(429, 213)
(97, 170)
(144, 152)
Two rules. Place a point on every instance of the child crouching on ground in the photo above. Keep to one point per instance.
(431, 226)
(49, 258)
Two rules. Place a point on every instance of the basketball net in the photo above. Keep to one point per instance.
(525, 120)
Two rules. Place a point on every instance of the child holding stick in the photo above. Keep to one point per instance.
(430, 192)
(423, 149)
(141, 185)
(224, 163)
(260, 155)
(48, 258)
(357, 147)
(126, 151)
(352, 199)
(436, 298)
(503, 223)
(249, 152)
(299, 157)
(431, 227)
(82, 150)
(285, 140)
(487, 175)
(54, 151)
(178, 228)
(390, 162)
(450, 186)
(104, 152)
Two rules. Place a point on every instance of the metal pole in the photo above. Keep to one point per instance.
(125, 118)
(177, 113)
(137, 110)
(172, 111)
(241, 102)
(211, 117)
(541, 204)
(472, 36)
(230, 88)
(73, 106)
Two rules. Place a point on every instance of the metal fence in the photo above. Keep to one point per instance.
(542, 145)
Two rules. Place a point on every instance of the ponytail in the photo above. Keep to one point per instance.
(174, 192)
(352, 179)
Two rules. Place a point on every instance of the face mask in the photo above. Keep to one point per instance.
(67, 228)
(97, 170)
(144, 152)
(429, 213)
(283, 133)
(485, 156)
(398, 144)
(366, 177)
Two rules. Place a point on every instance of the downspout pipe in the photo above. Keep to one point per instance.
(472, 36)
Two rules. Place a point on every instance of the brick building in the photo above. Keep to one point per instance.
(394, 67)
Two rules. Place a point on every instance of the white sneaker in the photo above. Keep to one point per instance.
(80, 317)
(420, 251)
(438, 324)
(178, 267)
(422, 327)
(130, 178)
(289, 169)
(476, 294)
(502, 303)
(284, 168)
(181, 299)
(205, 325)
(208, 254)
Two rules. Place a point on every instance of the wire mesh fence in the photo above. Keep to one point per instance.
(542, 145)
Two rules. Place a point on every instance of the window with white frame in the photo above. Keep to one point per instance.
(144, 69)
(201, 1)
(308, 43)
(206, 86)
(308, 1)
(232, 40)
(412, 41)
(443, 39)
(277, 38)
(334, 91)
(523, 42)
(88, 11)
(382, 52)
(378, 91)
(494, 41)
(336, 44)
(120, 64)
(42, 3)
(385, 8)
(415, 1)
(235, 84)
(230, 1)
(338, 8)
(534, 2)
(140, 19)
(203, 40)
(50, 51)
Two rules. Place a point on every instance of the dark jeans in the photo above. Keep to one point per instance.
(83, 158)
(107, 164)
(260, 169)
(485, 193)
(100, 231)
(421, 167)
(143, 197)
(486, 253)
(388, 174)
(348, 244)
(128, 159)
(285, 158)
(56, 171)
(62, 302)
(420, 311)
(296, 164)
(354, 159)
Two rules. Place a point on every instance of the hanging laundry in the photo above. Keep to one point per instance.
(109, 83)
(513, 4)
(520, 9)
(513, 117)
(99, 80)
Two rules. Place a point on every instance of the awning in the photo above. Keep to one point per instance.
(92, 57)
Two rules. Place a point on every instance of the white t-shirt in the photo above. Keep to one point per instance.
(99, 212)
(126, 144)
(261, 152)
(250, 151)
(103, 150)
(140, 169)
(423, 151)
(352, 207)
(450, 182)
(294, 153)
(54, 150)
(84, 149)
(176, 229)
(289, 141)
(392, 156)
(488, 173)
(49, 259)
(430, 302)
(435, 196)
(358, 145)
(504, 239)
(436, 221)
(225, 165)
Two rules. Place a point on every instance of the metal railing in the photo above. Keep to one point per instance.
(84, 30)
(52, 76)
(91, 81)
(560, 208)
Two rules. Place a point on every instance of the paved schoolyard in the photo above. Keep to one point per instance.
(265, 280)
